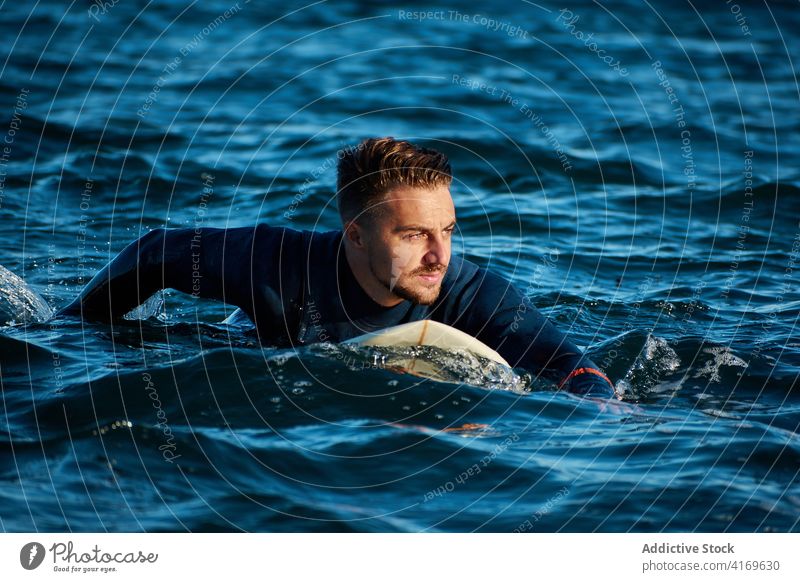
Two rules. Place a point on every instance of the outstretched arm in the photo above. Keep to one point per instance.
(212, 263)
(500, 316)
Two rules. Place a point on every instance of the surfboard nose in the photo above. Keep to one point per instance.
(19, 302)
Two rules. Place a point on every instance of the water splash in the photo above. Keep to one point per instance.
(721, 356)
(153, 307)
(19, 302)
(655, 359)
(454, 366)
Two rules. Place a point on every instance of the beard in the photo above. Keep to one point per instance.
(407, 286)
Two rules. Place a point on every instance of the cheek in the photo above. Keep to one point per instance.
(404, 256)
(380, 255)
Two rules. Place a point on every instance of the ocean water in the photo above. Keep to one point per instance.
(632, 166)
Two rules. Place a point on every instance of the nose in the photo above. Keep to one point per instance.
(438, 251)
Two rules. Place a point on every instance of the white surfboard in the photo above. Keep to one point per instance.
(426, 333)
(417, 333)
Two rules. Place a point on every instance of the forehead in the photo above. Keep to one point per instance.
(419, 205)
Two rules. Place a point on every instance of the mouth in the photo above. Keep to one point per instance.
(430, 277)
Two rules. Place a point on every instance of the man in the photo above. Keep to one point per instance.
(391, 264)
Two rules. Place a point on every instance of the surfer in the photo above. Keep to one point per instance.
(390, 264)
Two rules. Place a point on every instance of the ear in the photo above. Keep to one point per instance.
(354, 233)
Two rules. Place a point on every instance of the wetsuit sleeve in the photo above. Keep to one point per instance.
(211, 263)
(503, 318)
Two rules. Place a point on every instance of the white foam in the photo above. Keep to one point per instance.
(722, 356)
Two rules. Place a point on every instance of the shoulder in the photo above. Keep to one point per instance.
(468, 287)
(464, 276)
(296, 249)
(268, 238)
(230, 235)
(262, 229)
(317, 238)
(460, 274)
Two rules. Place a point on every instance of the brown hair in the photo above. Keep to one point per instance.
(369, 170)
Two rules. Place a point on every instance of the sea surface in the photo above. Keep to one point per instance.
(634, 167)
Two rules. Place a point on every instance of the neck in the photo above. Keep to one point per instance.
(359, 266)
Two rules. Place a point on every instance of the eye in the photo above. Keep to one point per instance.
(415, 236)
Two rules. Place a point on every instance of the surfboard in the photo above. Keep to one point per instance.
(425, 333)
(400, 356)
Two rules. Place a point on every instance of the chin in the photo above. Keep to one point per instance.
(418, 295)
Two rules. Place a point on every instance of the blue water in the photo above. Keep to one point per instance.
(641, 185)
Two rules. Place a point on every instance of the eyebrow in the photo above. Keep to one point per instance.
(420, 228)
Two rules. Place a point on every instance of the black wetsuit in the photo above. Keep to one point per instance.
(298, 288)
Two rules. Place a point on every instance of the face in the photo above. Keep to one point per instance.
(408, 242)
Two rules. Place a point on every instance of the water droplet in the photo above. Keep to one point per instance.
(406, 407)
(438, 417)
(297, 391)
(392, 383)
(275, 399)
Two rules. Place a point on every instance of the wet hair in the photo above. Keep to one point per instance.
(369, 170)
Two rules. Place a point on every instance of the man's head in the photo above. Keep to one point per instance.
(398, 217)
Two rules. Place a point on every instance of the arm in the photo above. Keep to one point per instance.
(238, 265)
(124, 283)
(501, 317)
